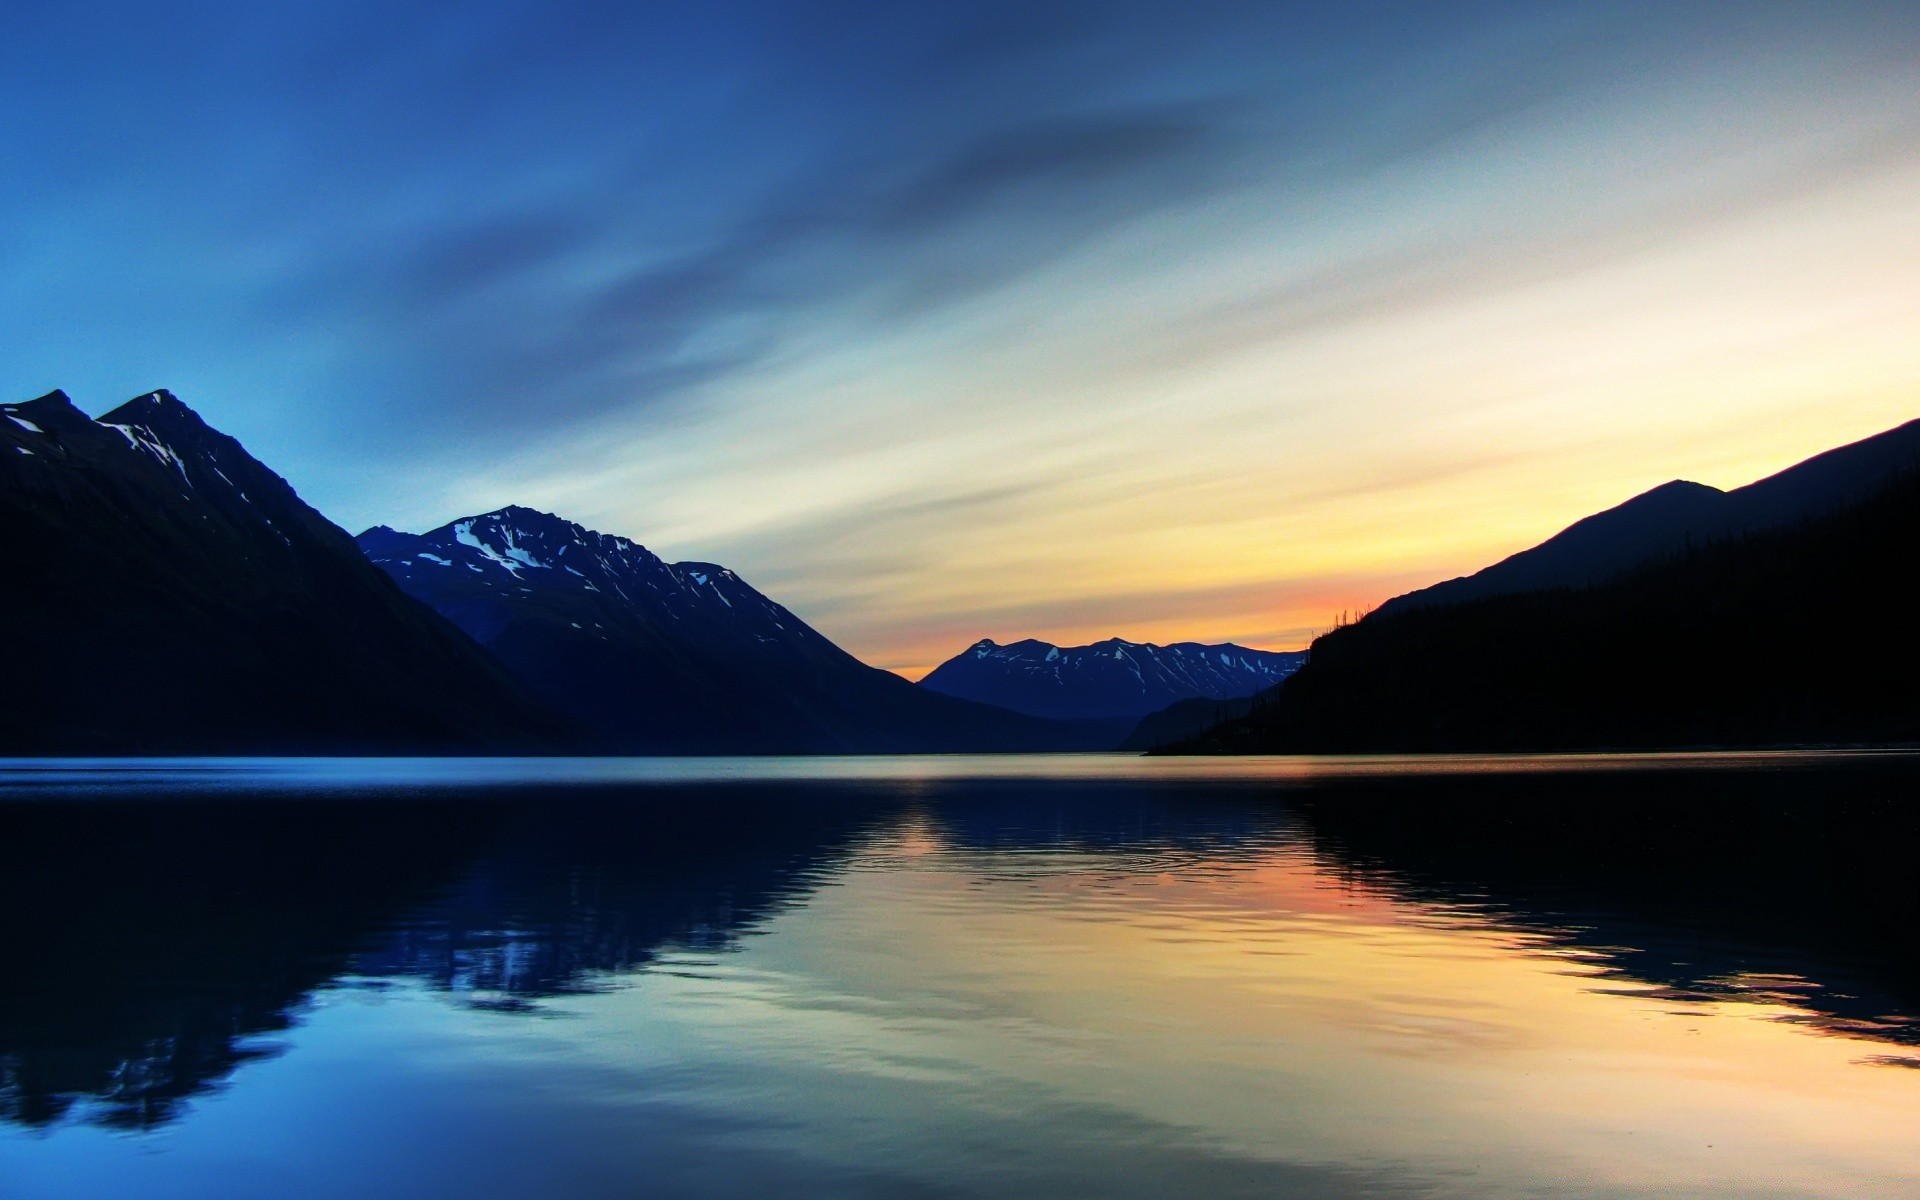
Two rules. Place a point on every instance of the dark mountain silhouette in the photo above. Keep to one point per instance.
(1113, 679)
(166, 593)
(1677, 516)
(1801, 634)
(1183, 720)
(658, 657)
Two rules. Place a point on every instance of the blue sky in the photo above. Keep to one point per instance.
(939, 322)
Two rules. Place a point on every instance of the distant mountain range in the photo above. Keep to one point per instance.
(1110, 679)
(1777, 613)
(166, 593)
(658, 657)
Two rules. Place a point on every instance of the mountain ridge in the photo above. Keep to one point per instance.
(677, 657)
(1109, 679)
(180, 597)
(1683, 651)
(1676, 516)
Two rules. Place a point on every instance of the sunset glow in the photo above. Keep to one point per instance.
(994, 325)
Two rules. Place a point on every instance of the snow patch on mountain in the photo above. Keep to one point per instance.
(1111, 678)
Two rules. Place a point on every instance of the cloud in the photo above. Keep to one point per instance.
(449, 267)
(881, 541)
(552, 307)
(1042, 160)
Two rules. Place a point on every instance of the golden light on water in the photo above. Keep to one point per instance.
(1268, 1003)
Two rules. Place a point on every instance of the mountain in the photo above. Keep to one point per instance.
(1668, 520)
(1184, 720)
(1802, 634)
(1110, 679)
(166, 593)
(658, 657)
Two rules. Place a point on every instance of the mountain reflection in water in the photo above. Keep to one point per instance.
(1259, 981)
(160, 938)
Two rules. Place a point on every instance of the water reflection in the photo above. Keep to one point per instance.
(574, 890)
(152, 947)
(148, 948)
(1284, 982)
(1792, 889)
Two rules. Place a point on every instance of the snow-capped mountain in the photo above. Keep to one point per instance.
(675, 657)
(1108, 679)
(168, 593)
(515, 552)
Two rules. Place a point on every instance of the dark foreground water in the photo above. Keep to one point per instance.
(953, 977)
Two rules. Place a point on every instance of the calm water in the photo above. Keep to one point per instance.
(1075, 976)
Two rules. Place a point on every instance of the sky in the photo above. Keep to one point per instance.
(937, 322)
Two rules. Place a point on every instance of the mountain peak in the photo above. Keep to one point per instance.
(53, 413)
(1676, 486)
(159, 400)
(196, 605)
(57, 398)
(671, 657)
(157, 410)
(1108, 679)
(517, 520)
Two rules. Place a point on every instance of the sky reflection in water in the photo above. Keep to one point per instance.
(1076, 977)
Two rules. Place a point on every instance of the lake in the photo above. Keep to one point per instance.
(1101, 976)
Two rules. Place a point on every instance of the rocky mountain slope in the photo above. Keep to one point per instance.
(686, 657)
(167, 593)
